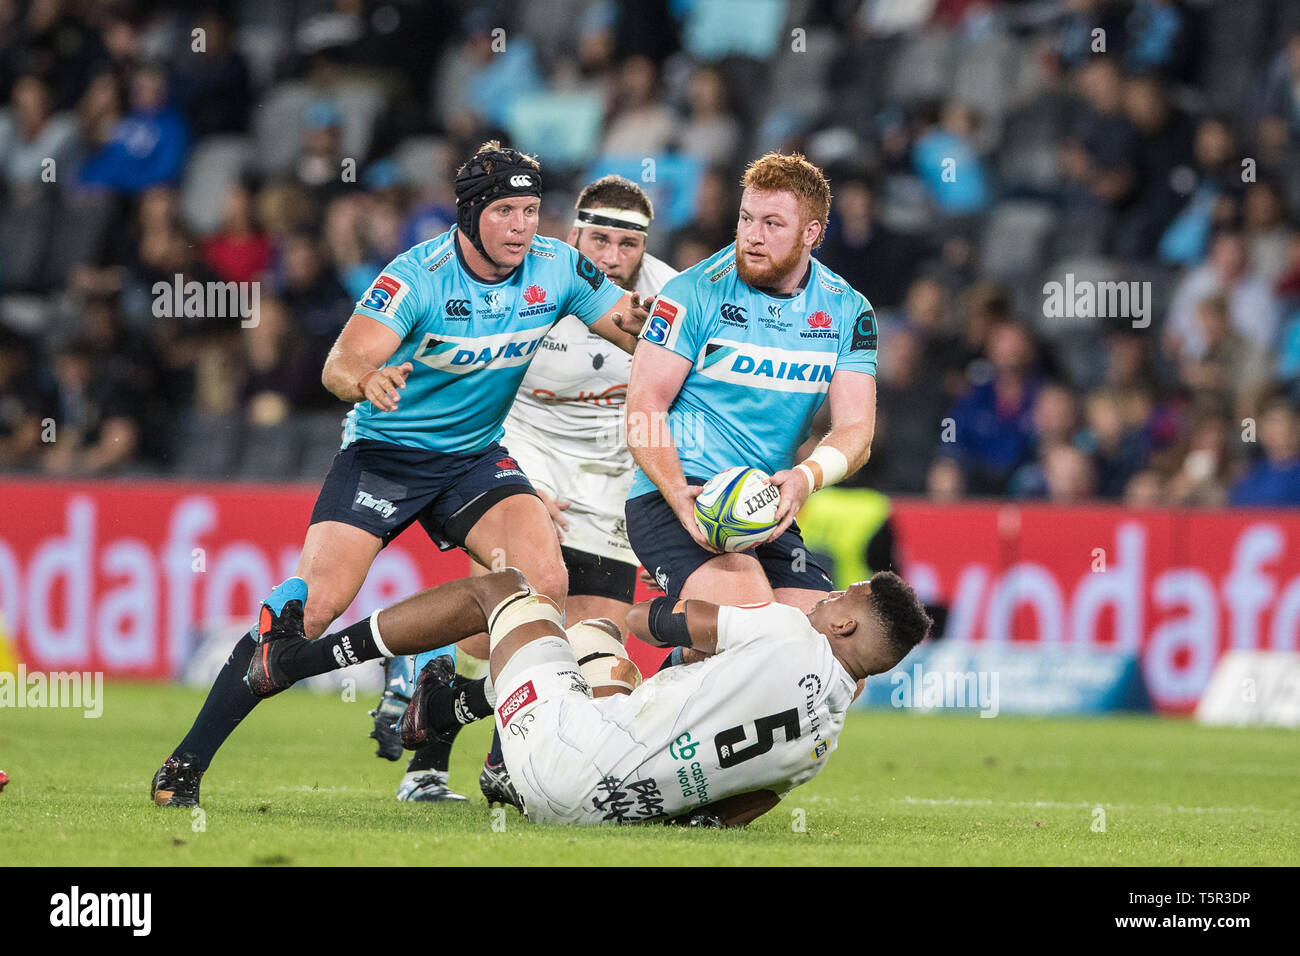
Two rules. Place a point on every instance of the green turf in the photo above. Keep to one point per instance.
(298, 784)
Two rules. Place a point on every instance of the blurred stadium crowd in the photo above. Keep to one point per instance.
(977, 150)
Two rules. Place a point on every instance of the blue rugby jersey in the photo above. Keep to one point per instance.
(762, 363)
(470, 341)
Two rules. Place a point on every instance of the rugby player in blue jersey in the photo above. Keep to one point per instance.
(432, 358)
(743, 350)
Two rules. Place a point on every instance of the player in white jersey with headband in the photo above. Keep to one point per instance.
(566, 432)
(566, 426)
(721, 740)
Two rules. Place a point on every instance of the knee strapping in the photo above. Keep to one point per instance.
(602, 658)
(522, 607)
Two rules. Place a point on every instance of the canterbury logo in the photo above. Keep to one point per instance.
(457, 308)
(521, 182)
(732, 313)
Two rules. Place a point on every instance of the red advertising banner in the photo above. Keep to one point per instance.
(115, 576)
(1178, 588)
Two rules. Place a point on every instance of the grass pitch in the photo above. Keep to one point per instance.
(298, 784)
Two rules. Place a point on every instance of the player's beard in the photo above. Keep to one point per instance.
(629, 284)
(770, 276)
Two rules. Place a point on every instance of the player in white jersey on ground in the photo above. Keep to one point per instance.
(725, 738)
(565, 430)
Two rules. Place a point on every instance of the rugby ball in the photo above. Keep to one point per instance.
(737, 508)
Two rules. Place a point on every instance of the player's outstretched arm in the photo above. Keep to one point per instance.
(354, 370)
(622, 324)
(664, 622)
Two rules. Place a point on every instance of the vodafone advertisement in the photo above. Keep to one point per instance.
(115, 577)
(1177, 588)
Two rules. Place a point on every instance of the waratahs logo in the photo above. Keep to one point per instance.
(819, 327)
(535, 302)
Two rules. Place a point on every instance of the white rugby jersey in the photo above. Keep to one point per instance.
(572, 397)
(762, 714)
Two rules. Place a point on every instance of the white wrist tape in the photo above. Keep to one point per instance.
(829, 463)
(807, 473)
(520, 608)
(374, 635)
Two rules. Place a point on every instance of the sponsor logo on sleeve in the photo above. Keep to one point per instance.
(386, 294)
(663, 317)
(864, 332)
(521, 698)
(588, 272)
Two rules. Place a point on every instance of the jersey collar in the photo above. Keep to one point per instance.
(460, 256)
(799, 289)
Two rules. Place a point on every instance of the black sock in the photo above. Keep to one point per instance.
(229, 701)
(463, 703)
(494, 755)
(352, 645)
(433, 755)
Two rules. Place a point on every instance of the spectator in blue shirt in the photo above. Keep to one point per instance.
(148, 146)
(993, 429)
(1275, 480)
(947, 162)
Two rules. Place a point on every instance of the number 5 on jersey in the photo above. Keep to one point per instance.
(764, 728)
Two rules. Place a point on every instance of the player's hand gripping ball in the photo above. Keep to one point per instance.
(737, 508)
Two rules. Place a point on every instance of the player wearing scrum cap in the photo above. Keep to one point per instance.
(719, 741)
(432, 357)
(565, 430)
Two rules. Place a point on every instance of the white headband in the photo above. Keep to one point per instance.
(612, 218)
